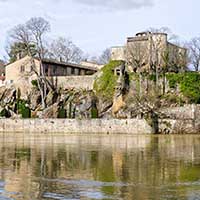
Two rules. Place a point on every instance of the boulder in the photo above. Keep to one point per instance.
(35, 99)
(50, 112)
(8, 96)
(51, 98)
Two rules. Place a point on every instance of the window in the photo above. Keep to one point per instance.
(54, 71)
(22, 68)
(46, 70)
(72, 71)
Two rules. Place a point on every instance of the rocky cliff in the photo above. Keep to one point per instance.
(118, 93)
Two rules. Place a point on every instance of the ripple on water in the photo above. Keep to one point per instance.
(84, 189)
(2, 192)
(2, 184)
(94, 195)
(57, 196)
(88, 194)
(89, 183)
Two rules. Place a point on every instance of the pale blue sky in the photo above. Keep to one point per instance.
(96, 24)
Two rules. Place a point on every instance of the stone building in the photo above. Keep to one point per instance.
(147, 50)
(28, 67)
(92, 64)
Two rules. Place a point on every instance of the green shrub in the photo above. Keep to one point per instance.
(34, 83)
(152, 77)
(70, 110)
(23, 109)
(62, 113)
(94, 113)
(105, 84)
(133, 76)
(189, 83)
(174, 79)
(190, 87)
(5, 113)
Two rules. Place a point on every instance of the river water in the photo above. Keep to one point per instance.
(49, 167)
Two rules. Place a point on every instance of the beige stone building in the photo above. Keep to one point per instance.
(29, 68)
(91, 64)
(65, 75)
(147, 50)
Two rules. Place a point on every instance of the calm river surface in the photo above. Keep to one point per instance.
(47, 167)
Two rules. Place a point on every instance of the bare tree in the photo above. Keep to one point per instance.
(32, 33)
(2, 67)
(65, 50)
(166, 65)
(171, 36)
(137, 59)
(146, 56)
(194, 52)
(38, 27)
(20, 33)
(136, 56)
(105, 57)
(20, 42)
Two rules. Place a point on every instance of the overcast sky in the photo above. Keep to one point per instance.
(96, 24)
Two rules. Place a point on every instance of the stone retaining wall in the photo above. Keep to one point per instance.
(129, 126)
(186, 112)
(77, 82)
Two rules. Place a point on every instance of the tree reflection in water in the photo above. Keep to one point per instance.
(99, 167)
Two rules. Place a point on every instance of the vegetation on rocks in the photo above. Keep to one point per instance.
(104, 85)
(188, 84)
(5, 113)
(23, 109)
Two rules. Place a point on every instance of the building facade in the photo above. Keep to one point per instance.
(28, 67)
(147, 50)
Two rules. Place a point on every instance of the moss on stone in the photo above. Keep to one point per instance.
(104, 85)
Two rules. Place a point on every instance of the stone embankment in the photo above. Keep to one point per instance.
(129, 126)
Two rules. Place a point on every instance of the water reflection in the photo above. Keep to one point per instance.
(99, 167)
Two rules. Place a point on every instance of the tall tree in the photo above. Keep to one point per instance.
(32, 33)
(20, 42)
(20, 50)
(104, 58)
(136, 56)
(65, 50)
(171, 36)
(194, 52)
(38, 27)
(2, 67)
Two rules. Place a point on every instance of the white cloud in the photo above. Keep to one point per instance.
(117, 4)
(107, 4)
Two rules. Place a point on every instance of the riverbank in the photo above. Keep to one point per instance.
(128, 126)
(106, 126)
